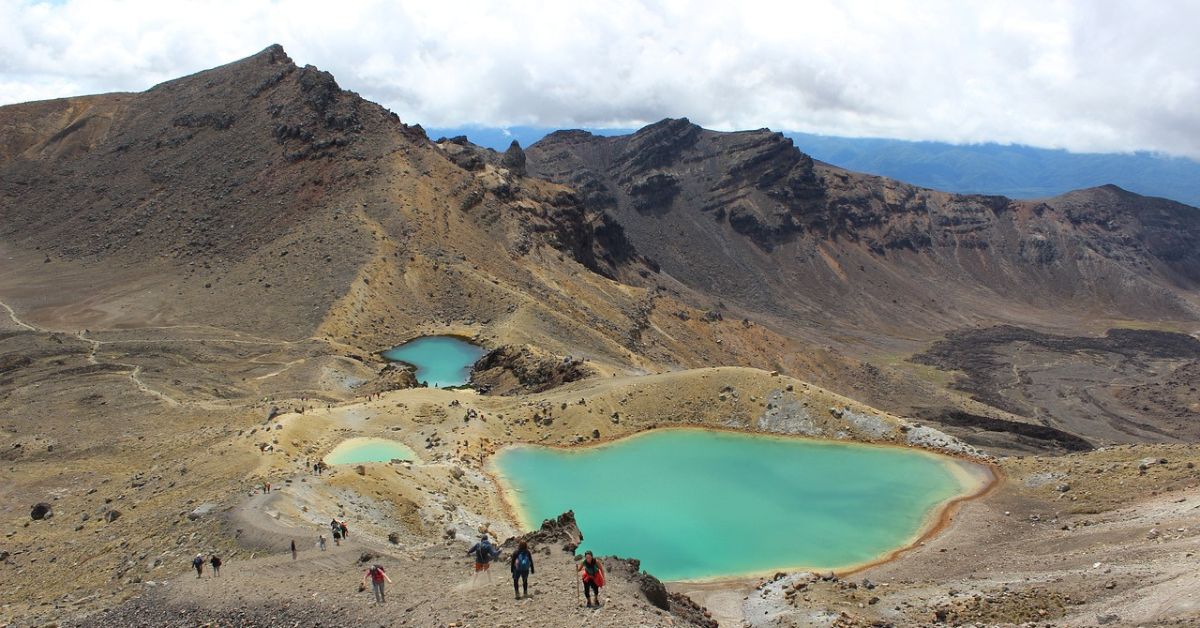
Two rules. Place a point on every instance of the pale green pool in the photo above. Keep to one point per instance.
(440, 361)
(363, 450)
(696, 504)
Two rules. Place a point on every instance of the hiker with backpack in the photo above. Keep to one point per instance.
(378, 577)
(198, 565)
(344, 529)
(591, 571)
(215, 561)
(484, 552)
(521, 565)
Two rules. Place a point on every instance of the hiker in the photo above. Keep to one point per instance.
(378, 576)
(293, 549)
(198, 564)
(521, 565)
(266, 487)
(591, 571)
(321, 542)
(484, 553)
(344, 529)
(215, 561)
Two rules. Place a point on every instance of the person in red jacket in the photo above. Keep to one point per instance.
(378, 576)
(591, 571)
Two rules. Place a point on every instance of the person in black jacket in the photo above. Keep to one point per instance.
(521, 565)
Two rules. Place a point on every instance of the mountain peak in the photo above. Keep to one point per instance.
(273, 54)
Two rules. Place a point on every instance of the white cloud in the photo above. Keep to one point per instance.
(1096, 76)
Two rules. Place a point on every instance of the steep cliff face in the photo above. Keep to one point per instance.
(748, 217)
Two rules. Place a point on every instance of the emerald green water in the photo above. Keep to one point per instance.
(362, 450)
(440, 361)
(695, 504)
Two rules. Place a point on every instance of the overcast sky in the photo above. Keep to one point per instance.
(1089, 75)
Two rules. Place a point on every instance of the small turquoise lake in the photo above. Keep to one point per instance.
(696, 504)
(440, 361)
(364, 450)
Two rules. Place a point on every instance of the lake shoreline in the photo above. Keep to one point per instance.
(978, 479)
(427, 371)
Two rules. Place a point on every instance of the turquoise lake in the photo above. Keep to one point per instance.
(696, 504)
(364, 450)
(441, 361)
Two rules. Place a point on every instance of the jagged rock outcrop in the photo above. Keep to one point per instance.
(512, 369)
(514, 159)
(679, 605)
(564, 532)
(392, 376)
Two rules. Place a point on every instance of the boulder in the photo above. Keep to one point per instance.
(200, 511)
(112, 516)
(41, 510)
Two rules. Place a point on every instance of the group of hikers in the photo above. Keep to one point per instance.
(339, 531)
(520, 565)
(198, 565)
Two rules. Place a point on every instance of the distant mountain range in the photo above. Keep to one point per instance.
(1010, 170)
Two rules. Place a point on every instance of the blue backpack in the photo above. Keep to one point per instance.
(523, 562)
(485, 553)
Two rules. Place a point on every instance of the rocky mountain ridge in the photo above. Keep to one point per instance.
(730, 210)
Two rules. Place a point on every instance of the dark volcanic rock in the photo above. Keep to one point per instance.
(648, 585)
(41, 510)
(559, 531)
(1047, 437)
(1071, 390)
(511, 369)
(514, 159)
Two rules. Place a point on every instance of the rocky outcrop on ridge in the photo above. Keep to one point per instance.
(513, 369)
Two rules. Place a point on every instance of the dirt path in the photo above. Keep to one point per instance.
(433, 582)
(16, 320)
